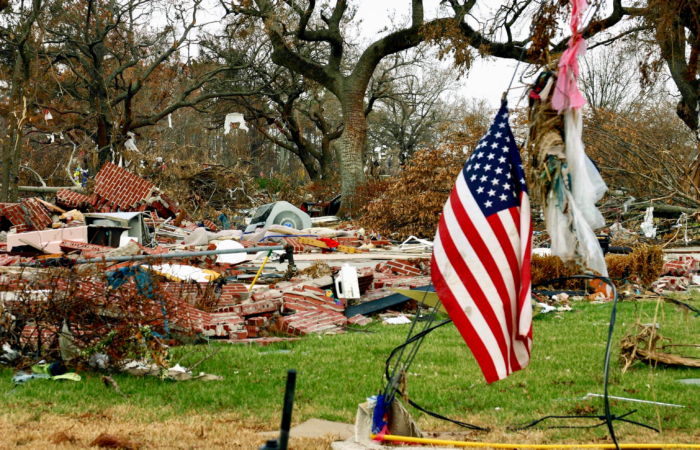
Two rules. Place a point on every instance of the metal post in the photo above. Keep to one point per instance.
(179, 255)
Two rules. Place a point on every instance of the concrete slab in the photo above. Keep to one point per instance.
(314, 428)
(352, 445)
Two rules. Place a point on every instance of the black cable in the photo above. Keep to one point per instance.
(412, 339)
(679, 303)
(390, 387)
(542, 419)
(409, 341)
(438, 416)
(609, 418)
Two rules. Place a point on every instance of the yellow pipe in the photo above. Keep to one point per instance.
(259, 271)
(413, 440)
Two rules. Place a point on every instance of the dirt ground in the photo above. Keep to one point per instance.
(37, 430)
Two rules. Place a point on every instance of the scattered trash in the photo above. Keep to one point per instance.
(133, 249)
(346, 284)
(401, 320)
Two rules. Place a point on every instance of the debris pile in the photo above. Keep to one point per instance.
(679, 275)
(644, 343)
(117, 189)
(113, 279)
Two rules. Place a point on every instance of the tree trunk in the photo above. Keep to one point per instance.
(326, 161)
(351, 147)
(8, 145)
(10, 173)
(104, 132)
(16, 157)
(309, 164)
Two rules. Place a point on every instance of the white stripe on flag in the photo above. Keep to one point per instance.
(466, 303)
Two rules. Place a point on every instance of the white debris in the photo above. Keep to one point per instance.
(401, 320)
(234, 118)
(130, 144)
(648, 225)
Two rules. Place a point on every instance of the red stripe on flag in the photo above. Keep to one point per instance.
(526, 276)
(507, 246)
(516, 217)
(464, 326)
(471, 285)
(486, 258)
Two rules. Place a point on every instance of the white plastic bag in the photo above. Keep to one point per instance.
(648, 225)
(587, 186)
(564, 235)
(563, 243)
(588, 245)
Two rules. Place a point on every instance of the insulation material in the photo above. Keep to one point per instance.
(230, 258)
(234, 118)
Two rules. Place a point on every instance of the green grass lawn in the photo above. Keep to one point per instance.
(338, 372)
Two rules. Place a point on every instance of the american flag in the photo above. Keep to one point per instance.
(481, 254)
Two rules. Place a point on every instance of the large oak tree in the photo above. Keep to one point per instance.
(292, 25)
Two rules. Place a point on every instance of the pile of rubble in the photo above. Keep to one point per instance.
(681, 273)
(128, 242)
(127, 257)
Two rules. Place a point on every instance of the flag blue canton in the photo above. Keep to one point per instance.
(494, 171)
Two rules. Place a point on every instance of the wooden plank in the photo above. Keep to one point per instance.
(51, 206)
(346, 249)
(313, 242)
(429, 298)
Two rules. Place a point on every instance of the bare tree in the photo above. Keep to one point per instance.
(412, 111)
(644, 152)
(292, 24)
(301, 126)
(291, 112)
(610, 80)
(674, 28)
(18, 46)
(117, 76)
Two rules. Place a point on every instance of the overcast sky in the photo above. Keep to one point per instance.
(487, 78)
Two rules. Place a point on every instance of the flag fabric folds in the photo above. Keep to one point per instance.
(481, 254)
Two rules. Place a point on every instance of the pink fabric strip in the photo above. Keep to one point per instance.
(566, 93)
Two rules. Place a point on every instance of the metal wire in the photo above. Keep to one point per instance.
(609, 417)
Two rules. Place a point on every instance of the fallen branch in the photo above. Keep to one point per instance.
(109, 381)
(41, 180)
(205, 358)
(647, 346)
